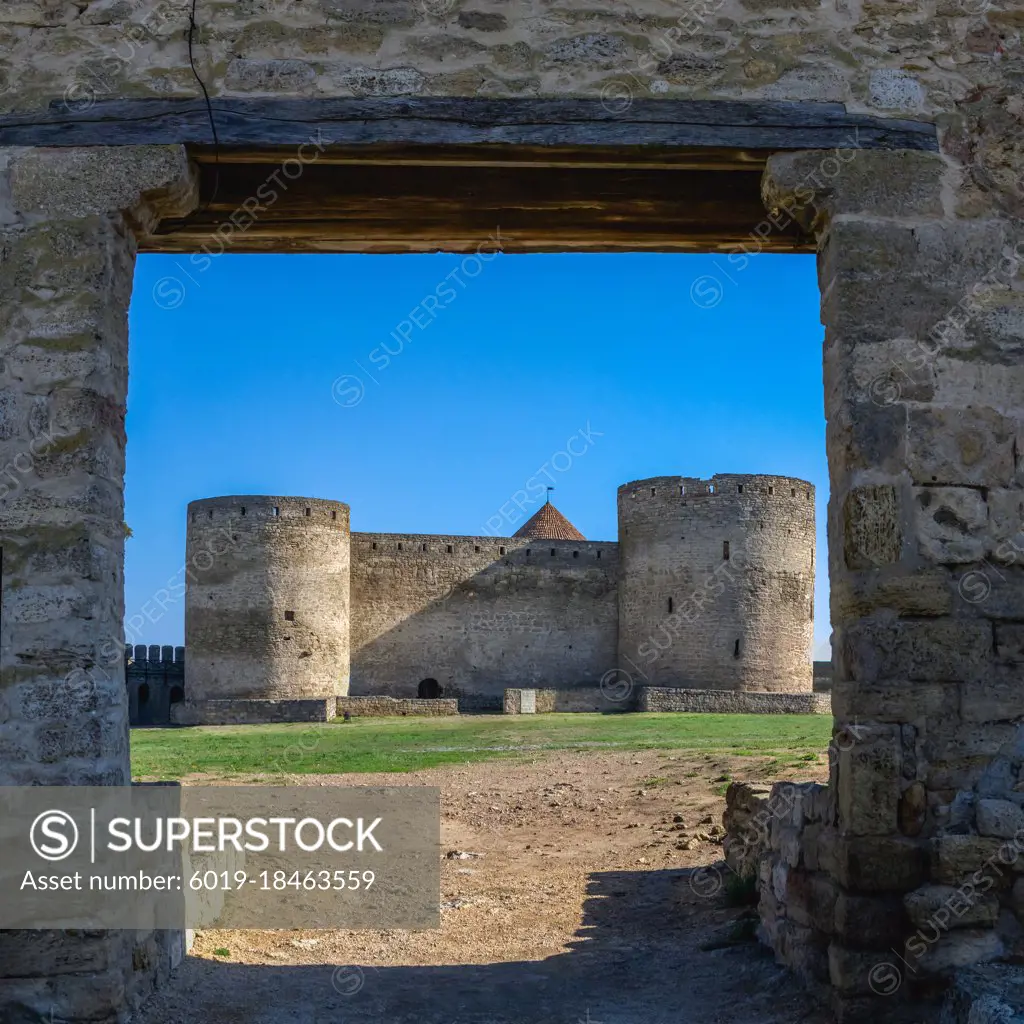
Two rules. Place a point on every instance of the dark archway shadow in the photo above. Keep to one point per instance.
(635, 959)
(429, 689)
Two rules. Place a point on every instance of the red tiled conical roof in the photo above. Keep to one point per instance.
(549, 524)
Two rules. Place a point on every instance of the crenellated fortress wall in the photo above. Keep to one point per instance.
(709, 587)
(480, 614)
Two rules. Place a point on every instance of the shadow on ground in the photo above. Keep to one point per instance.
(636, 959)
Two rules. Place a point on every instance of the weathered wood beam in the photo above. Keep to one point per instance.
(442, 121)
(315, 237)
(402, 208)
(489, 155)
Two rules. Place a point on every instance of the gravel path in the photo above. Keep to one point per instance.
(575, 906)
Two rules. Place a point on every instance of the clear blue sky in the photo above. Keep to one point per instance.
(241, 384)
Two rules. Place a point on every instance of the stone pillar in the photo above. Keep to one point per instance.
(924, 397)
(68, 220)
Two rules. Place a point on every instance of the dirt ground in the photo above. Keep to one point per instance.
(568, 895)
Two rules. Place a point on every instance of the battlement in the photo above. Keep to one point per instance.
(267, 509)
(732, 485)
(483, 550)
(154, 655)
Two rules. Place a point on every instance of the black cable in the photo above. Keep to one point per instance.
(209, 107)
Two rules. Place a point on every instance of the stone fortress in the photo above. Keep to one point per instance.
(708, 594)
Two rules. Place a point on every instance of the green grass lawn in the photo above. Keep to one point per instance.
(407, 744)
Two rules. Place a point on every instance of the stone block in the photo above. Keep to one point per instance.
(941, 907)
(863, 436)
(872, 531)
(94, 998)
(1010, 643)
(898, 185)
(869, 922)
(964, 254)
(854, 971)
(483, 21)
(270, 76)
(786, 843)
(869, 782)
(913, 809)
(809, 844)
(895, 89)
(877, 864)
(918, 593)
(875, 311)
(103, 179)
(942, 777)
(779, 880)
(40, 954)
(996, 699)
(955, 949)
(1000, 818)
(810, 900)
(593, 49)
(993, 591)
(955, 857)
(866, 250)
(999, 780)
(943, 649)
(891, 701)
(1006, 525)
(1017, 898)
(828, 843)
(803, 950)
(951, 524)
(995, 332)
(884, 372)
(958, 447)
(988, 994)
(961, 813)
(952, 740)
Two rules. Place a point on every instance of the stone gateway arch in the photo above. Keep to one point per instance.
(885, 138)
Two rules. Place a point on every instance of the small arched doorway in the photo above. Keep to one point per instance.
(429, 689)
(143, 705)
(177, 694)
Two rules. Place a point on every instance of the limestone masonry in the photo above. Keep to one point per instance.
(710, 587)
(919, 242)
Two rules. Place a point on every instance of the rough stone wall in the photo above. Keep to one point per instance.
(747, 824)
(586, 699)
(390, 707)
(717, 586)
(241, 711)
(480, 614)
(918, 264)
(67, 252)
(267, 607)
(919, 56)
(655, 698)
(799, 898)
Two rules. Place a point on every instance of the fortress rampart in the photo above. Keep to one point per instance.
(267, 599)
(717, 583)
(480, 614)
(709, 587)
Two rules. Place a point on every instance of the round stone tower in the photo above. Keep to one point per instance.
(267, 599)
(717, 582)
